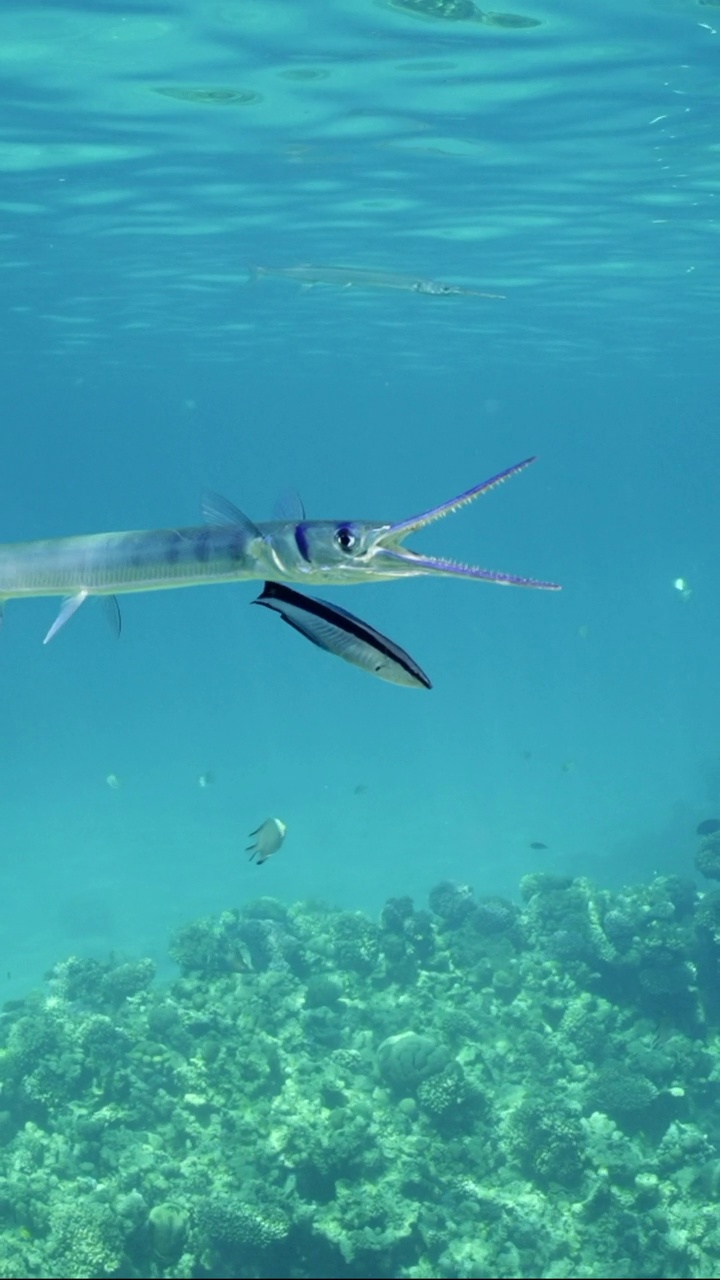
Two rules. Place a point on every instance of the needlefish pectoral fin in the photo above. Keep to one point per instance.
(337, 631)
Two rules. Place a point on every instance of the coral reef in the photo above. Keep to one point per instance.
(707, 858)
(482, 1089)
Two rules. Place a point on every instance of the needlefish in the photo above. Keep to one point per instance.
(366, 278)
(230, 547)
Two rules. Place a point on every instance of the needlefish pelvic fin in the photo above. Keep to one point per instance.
(229, 547)
(337, 631)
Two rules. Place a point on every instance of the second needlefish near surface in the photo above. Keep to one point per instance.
(366, 278)
(230, 547)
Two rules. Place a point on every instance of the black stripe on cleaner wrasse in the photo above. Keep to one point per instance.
(337, 631)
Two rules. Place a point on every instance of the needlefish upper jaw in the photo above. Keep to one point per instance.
(357, 551)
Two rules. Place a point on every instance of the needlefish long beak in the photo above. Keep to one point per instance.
(392, 559)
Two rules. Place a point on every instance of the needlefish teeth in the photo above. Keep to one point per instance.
(337, 631)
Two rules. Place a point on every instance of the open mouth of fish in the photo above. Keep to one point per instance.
(389, 548)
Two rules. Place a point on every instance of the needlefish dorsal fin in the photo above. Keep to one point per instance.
(71, 606)
(289, 506)
(221, 513)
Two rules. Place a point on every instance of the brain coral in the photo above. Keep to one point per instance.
(408, 1058)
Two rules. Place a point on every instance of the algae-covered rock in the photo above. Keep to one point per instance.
(323, 991)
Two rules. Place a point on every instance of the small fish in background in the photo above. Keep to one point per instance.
(269, 839)
(113, 782)
(206, 779)
(537, 844)
(360, 789)
(683, 587)
(708, 827)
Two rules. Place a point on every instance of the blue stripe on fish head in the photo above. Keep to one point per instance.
(301, 541)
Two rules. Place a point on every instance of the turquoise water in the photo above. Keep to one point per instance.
(151, 155)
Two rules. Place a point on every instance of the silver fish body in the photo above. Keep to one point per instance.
(113, 563)
(368, 278)
(339, 632)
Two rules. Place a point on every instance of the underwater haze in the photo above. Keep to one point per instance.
(371, 253)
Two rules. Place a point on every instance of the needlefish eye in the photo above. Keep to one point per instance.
(345, 538)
